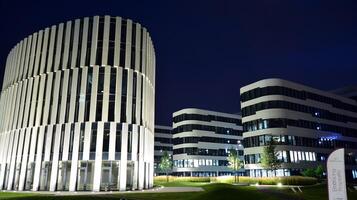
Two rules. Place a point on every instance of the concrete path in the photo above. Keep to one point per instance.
(180, 189)
(154, 190)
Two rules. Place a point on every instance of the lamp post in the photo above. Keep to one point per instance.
(236, 164)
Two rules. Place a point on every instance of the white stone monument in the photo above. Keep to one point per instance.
(336, 175)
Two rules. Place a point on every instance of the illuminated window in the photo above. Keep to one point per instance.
(313, 156)
(307, 156)
(195, 163)
(292, 158)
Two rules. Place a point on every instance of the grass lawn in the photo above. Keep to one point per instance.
(320, 192)
(15, 195)
(212, 192)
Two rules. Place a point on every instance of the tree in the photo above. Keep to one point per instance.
(269, 159)
(234, 162)
(165, 164)
(309, 172)
(319, 171)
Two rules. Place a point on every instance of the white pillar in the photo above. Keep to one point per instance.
(112, 139)
(74, 165)
(141, 158)
(55, 157)
(36, 178)
(13, 159)
(24, 159)
(123, 160)
(98, 158)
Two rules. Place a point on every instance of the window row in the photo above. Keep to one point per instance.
(165, 131)
(270, 173)
(284, 123)
(286, 157)
(215, 129)
(193, 163)
(206, 173)
(163, 148)
(299, 94)
(206, 118)
(204, 152)
(323, 142)
(298, 156)
(163, 140)
(315, 112)
(184, 140)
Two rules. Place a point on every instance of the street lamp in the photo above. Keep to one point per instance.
(236, 161)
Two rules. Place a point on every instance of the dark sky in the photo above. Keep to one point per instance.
(206, 50)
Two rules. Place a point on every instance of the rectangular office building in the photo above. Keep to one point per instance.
(202, 141)
(163, 143)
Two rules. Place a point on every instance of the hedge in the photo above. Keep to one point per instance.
(286, 180)
(182, 179)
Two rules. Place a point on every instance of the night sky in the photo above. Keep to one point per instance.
(207, 50)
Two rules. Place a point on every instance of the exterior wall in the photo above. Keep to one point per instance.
(202, 140)
(77, 107)
(163, 142)
(307, 125)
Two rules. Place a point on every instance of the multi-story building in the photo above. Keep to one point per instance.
(163, 143)
(306, 124)
(77, 108)
(202, 140)
(349, 91)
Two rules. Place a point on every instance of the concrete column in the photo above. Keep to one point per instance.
(56, 146)
(36, 179)
(24, 159)
(124, 155)
(98, 158)
(75, 152)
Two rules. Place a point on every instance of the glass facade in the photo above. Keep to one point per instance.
(202, 140)
(305, 125)
(163, 143)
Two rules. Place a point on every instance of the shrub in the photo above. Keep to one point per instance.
(314, 172)
(193, 179)
(319, 171)
(298, 180)
(181, 179)
(162, 178)
(286, 180)
(309, 172)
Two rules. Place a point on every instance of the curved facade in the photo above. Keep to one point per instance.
(305, 123)
(77, 108)
(202, 140)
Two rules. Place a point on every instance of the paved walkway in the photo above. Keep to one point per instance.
(154, 190)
